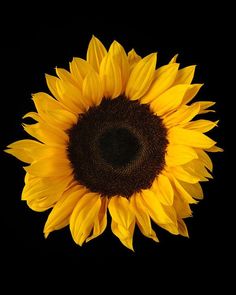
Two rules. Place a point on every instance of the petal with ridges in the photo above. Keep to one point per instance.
(123, 234)
(191, 92)
(177, 135)
(194, 189)
(110, 76)
(206, 160)
(180, 173)
(142, 217)
(183, 230)
(83, 217)
(185, 75)
(169, 100)
(201, 125)
(163, 189)
(117, 50)
(182, 193)
(164, 78)
(95, 53)
(100, 222)
(92, 89)
(60, 215)
(179, 154)
(214, 149)
(141, 77)
(133, 58)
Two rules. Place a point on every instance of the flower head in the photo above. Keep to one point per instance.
(116, 134)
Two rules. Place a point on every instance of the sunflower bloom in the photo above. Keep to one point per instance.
(116, 135)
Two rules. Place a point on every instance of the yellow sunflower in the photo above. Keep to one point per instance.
(116, 135)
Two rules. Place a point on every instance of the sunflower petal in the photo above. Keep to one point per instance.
(83, 217)
(194, 189)
(123, 219)
(51, 166)
(183, 230)
(204, 105)
(164, 78)
(93, 88)
(206, 160)
(59, 217)
(100, 222)
(191, 92)
(201, 125)
(179, 154)
(174, 59)
(214, 149)
(95, 53)
(182, 193)
(180, 173)
(118, 51)
(183, 115)
(133, 58)
(142, 217)
(185, 75)
(169, 100)
(163, 189)
(141, 77)
(192, 138)
(111, 76)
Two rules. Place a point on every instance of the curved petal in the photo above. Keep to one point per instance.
(123, 220)
(111, 76)
(179, 154)
(191, 92)
(201, 125)
(142, 217)
(95, 53)
(118, 51)
(163, 79)
(60, 215)
(185, 75)
(163, 189)
(194, 189)
(169, 100)
(93, 88)
(141, 77)
(133, 58)
(83, 217)
(177, 135)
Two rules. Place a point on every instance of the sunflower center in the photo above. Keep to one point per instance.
(117, 148)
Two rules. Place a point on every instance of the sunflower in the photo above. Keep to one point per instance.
(116, 135)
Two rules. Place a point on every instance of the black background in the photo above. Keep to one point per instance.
(34, 43)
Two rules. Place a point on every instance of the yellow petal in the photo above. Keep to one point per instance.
(206, 160)
(124, 235)
(181, 206)
(37, 188)
(142, 217)
(173, 60)
(60, 214)
(180, 173)
(192, 138)
(154, 208)
(164, 78)
(48, 167)
(201, 125)
(47, 134)
(118, 51)
(75, 68)
(133, 58)
(197, 169)
(122, 219)
(204, 105)
(24, 149)
(95, 53)
(214, 149)
(83, 217)
(163, 189)
(110, 74)
(185, 75)
(183, 115)
(179, 154)
(34, 116)
(191, 92)
(92, 89)
(66, 77)
(169, 100)
(180, 192)
(141, 77)
(100, 222)
(183, 230)
(52, 82)
(194, 189)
